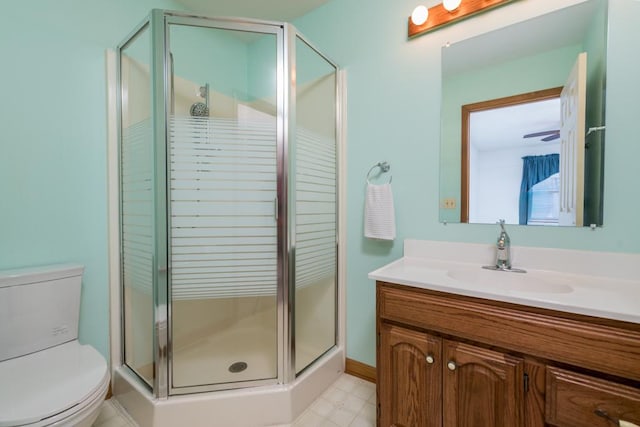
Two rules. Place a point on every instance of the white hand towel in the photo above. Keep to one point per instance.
(379, 214)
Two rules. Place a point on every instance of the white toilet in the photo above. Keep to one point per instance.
(47, 378)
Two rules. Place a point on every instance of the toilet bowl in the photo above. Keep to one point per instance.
(58, 386)
(47, 377)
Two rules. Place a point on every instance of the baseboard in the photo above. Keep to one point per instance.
(360, 370)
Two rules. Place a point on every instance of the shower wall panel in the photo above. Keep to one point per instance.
(314, 160)
(137, 205)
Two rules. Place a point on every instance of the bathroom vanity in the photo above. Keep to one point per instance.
(454, 349)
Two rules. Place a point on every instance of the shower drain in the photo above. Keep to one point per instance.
(237, 367)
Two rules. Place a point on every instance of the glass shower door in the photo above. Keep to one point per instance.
(223, 187)
(314, 167)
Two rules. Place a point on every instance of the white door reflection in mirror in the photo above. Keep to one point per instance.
(572, 137)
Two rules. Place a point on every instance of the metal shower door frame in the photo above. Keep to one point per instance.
(164, 367)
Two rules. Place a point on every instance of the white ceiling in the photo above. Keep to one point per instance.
(505, 127)
(272, 10)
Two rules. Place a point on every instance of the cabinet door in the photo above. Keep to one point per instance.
(409, 378)
(481, 388)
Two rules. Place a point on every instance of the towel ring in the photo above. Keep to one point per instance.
(384, 167)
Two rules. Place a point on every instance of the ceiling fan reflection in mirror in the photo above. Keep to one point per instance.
(549, 135)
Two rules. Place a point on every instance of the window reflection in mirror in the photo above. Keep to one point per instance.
(510, 62)
(544, 202)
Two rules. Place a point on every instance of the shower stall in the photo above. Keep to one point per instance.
(228, 187)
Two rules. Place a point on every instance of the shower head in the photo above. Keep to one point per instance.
(201, 109)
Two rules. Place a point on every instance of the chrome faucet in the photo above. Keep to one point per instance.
(503, 249)
(503, 253)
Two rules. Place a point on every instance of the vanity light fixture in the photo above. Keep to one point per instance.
(420, 15)
(451, 5)
(448, 12)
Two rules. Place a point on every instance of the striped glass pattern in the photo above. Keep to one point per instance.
(315, 208)
(137, 207)
(223, 190)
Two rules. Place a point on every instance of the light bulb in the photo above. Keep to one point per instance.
(451, 5)
(420, 15)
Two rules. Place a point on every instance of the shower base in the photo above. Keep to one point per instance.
(270, 405)
(210, 360)
(242, 331)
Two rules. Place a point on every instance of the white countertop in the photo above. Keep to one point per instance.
(589, 294)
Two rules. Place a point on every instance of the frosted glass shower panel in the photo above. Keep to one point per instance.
(223, 175)
(314, 162)
(137, 209)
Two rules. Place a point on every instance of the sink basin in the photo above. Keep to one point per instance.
(528, 282)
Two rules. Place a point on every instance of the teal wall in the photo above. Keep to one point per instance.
(204, 55)
(394, 115)
(53, 164)
(262, 70)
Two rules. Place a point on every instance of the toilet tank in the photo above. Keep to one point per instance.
(39, 308)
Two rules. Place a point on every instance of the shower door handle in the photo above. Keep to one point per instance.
(275, 208)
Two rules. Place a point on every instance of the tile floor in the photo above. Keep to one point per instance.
(349, 402)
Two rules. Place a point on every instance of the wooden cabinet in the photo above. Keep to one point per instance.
(429, 381)
(452, 361)
(481, 387)
(410, 378)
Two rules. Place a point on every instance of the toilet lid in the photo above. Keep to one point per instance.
(48, 382)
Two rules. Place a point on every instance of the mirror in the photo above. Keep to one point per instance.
(501, 121)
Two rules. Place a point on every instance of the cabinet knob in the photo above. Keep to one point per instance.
(451, 365)
(430, 359)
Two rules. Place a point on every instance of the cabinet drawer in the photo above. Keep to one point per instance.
(575, 400)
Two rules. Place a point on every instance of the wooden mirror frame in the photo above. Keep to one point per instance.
(524, 98)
